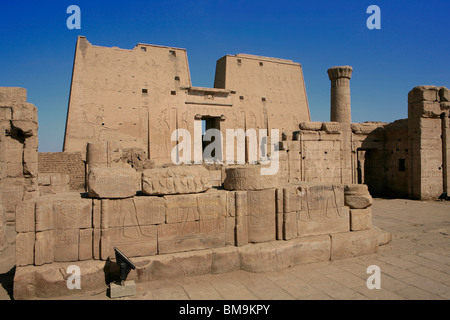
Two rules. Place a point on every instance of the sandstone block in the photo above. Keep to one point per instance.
(266, 257)
(225, 260)
(66, 245)
(119, 291)
(241, 218)
(248, 178)
(170, 266)
(357, 196)
(13, 95)
(133, 241)
(360, 219)
(175, 180)
(43, 251)
(72, 213)
(193, 235)
(261, 215)
(25, 218)
(25, 248)
(311, 125)
(44, 215)
(358, 201)
(355, 243)
(311, 249)
(113, 182)
(444, 94)
(137, 211)
(322, 210)
(85, 249)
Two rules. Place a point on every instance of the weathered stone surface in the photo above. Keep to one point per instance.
(311, 125)
(311, 249)
(50, 280)
(175, 180)
(322, 210)
(261, 215)
(25, 248)
(225, 260)
(358, 201)
(360, 219)
(51, 183)
(194, 235)
(133, 241)
(357, 196)
(137, 211)
(85, 246)
(25, 218)
(66, 244)
(119, 291)
(248, 178)
(3, 241)
(113, 182)
(355, 243)
(43, 251)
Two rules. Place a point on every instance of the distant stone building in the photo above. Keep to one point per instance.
(139, 97)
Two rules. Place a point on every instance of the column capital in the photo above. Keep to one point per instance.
(340, 72)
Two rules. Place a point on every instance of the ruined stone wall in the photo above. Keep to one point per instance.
(70, 163)
(428, 141)
(396, 154)
(18, 149)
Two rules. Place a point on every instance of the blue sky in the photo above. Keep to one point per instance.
(412, 47)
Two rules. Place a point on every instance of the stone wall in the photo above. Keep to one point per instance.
(70, 163)
(428, 118)
(18, 149)
(320, 222)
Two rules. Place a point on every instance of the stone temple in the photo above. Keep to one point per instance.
(115, 185)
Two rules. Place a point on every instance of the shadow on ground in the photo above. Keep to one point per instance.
(7, 280)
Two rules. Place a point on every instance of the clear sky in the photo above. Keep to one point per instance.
(412, 47)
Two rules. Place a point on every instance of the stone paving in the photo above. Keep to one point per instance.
(414, 266)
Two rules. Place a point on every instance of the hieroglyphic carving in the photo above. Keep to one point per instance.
(322, 210)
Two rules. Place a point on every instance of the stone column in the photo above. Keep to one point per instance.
(340, 94)
(341, 112)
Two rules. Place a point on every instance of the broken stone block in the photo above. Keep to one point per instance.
(175, 180)
(357, 196)
(310, 125)
(360, 219)
(13, 95)
(248, 178)
(119, 291)
(113, 182)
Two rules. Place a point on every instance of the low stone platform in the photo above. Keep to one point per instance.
(50, 280)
